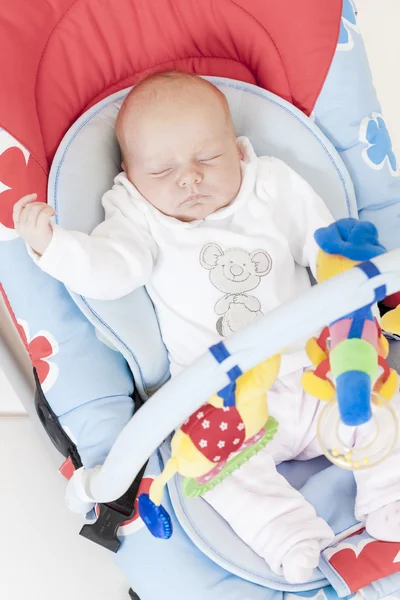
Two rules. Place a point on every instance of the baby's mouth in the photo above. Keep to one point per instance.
(195, 198)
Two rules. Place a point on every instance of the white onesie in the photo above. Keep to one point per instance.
(207, 279)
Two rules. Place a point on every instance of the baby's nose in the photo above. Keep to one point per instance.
(236, 270)
(190, 177)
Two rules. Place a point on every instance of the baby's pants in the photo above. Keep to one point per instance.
(260, 505)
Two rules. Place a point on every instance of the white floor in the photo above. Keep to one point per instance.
(54, 563)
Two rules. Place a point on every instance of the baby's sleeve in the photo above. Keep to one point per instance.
(116, 258)
(298, 210)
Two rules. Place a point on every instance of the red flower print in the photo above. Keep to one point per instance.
(13, 174)
(20, 174)
(41, 347)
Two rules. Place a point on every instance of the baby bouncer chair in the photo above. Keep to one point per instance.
(298, 84)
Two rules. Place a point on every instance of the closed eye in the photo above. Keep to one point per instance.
(210, 158)
(161, 173)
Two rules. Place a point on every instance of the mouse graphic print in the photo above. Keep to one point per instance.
(235, 272)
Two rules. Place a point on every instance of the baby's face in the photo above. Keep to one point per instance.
(183, 156)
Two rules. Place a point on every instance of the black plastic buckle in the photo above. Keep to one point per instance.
(104, 530)
(112, 515)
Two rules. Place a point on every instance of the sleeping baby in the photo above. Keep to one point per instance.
(218, 236)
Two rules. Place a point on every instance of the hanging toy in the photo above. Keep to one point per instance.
(216, 440)
(352, 372)
(391, 321)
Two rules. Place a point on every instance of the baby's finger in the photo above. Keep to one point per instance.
(20, 205)
(44, 216)
(30, 214)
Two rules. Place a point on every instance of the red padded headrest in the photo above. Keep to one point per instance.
(57, 57)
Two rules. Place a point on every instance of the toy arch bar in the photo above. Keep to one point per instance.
(182, 395)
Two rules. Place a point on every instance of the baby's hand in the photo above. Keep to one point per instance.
(32, 222)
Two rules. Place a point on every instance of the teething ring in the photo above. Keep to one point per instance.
(340, 444)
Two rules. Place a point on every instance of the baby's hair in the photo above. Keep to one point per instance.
(155, 87)
(166, 77)
(149, 85)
